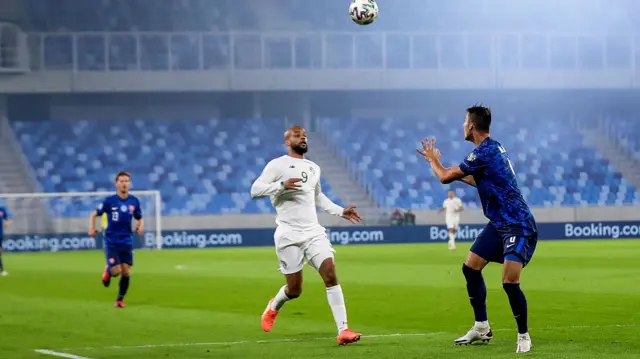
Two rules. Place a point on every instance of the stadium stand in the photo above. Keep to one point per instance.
(200, 166)
(553, 165)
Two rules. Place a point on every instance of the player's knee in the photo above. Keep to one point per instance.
(328, 273)
(330, 279)
(511, 277)
(294, 291)
(511, 269)
(469, 271)
(116, 271)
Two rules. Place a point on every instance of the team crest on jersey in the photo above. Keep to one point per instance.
(123, 208)
(471, 157)
(131, 208)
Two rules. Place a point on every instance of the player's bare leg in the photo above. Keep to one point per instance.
(125, 270)
(511, 284)
(452, 239)
(291, 290)
(336, 301)
(109, 273)
(472, 270)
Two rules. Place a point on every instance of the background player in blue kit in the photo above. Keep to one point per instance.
(511, 235)
(4, 221)
(121, 209)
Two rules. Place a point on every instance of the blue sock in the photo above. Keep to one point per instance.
(477, 292)
(518, 305)
(124, 286)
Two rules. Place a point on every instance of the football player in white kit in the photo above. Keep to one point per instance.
(293, 185)
(453, 206)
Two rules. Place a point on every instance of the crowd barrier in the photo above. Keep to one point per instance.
(337, 235)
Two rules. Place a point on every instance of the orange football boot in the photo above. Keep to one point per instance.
(347, 336)
(269, 317)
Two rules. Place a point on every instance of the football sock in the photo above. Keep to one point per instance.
(336, 301)
(477, 292)
(518, 305)
(1, 264)
(124, 286)
(280, 299)
(452, 238)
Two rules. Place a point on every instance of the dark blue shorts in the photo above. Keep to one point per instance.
(119, 253)
(495, 246)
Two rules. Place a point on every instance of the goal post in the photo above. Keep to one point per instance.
(41, 221)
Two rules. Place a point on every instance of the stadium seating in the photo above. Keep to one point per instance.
(200, 166)
(207, 166)
(625, 129)
(553, 166)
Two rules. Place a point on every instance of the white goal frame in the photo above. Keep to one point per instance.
(154, 193)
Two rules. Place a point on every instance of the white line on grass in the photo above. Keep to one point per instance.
(57, 354)
(286, 340)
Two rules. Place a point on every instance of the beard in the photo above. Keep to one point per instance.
(299, 149)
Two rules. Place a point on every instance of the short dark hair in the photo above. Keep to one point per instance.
(122, 173)
(480, 117)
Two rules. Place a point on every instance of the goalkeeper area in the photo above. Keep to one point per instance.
(409, 301)
(60, 221)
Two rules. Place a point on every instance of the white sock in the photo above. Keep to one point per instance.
(336, 301)
(452, 238)
(482, 325)
(280, 299)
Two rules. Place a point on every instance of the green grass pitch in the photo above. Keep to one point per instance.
(583, 303)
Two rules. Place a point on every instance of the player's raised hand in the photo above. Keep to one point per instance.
(351, 215)
(292, 184)
(429, 150)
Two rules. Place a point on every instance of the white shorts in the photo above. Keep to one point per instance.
(453, 223)
(293, 250)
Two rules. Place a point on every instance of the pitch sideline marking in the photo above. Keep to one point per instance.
(286, 340)
(57, 354)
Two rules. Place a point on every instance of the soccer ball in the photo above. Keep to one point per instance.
(363, 12)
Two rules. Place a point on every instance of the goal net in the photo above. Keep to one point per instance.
(60, 221)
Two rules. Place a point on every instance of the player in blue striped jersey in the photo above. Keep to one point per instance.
(511, 235)
(120, 209)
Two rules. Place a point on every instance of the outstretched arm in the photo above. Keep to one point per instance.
(446, 175)
(323, 202)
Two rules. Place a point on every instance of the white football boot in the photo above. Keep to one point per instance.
(479, 333)
(524, 343)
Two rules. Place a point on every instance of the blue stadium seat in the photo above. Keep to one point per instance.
(200, 166)
(553, 165)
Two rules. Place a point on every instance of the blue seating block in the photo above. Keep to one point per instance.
(200, 166)
(553, 165)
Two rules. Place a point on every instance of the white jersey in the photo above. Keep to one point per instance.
(452, 206)
(295, 209)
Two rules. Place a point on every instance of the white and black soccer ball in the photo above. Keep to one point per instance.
(363, 12)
